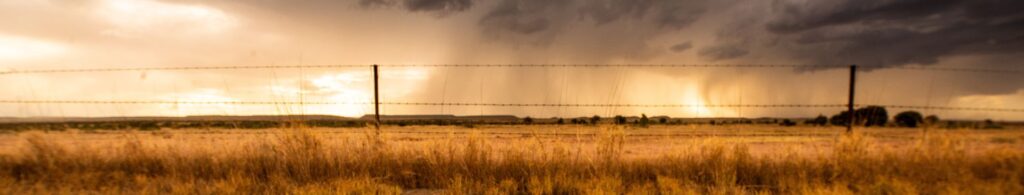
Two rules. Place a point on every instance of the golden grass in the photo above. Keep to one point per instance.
(537, 160)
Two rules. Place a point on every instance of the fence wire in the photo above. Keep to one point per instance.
(340, 66)
(954, 108)
(972, 70)
(158, 102)
(178, 68)
(336, 66)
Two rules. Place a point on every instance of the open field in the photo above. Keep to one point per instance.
(538, 159)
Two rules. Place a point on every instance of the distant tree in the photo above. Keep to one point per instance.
(528, 120)
(908, 119)
(574, 121)
(663, 120)
(990, 124)
(931, 119)
(821, 120)
(867, 116)
(561, 121)
(871, 116)
(619, 119)
(644, 121)
(840, 119)
(788, 123)
(595, 119)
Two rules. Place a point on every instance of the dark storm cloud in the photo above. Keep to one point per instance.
(808, 15)
(532, 16)
(681, 47)
(376, 3)
(897, 32)
(592, 31)
(523, 16)
(438, 6)
(983, 34)
(722, 52)
(672, 14)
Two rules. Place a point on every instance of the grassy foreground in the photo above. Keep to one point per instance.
(302, 161)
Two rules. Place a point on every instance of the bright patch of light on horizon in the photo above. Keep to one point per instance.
(402, 82)
(344, 89)
(999, 101)
(350, 90)
(148, 16)
(994, 101)
(697, 106)
(16, 48)
(693, 97)
(183, 107)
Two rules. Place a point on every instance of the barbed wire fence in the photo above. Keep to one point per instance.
(807, 67)
(129, 102)
(334, 66)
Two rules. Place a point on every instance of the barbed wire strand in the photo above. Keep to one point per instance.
(179, 68)
(619, 65)
(954, 108)
(500, 104)
(974, 70)
(333, 66)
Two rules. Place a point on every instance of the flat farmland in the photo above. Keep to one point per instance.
(539, 159)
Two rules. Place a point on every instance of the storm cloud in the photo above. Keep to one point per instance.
(536, 16)
(525, 16)
(722, 52)
(681, 47)
(884, 34)
(897, 32)
(442, 7)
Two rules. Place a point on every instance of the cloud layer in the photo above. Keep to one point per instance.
(897, 32)
(879, 33)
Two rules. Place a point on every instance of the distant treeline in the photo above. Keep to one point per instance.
(157, 125)
(867, 116)
(266, 124)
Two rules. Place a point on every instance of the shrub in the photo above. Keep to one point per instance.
(644, 121)
(867, 116)
(872, 116)
(619, 119)
(908, 119)
(788, 123)
(989, 124)
(821, 120)
(931, 119)
(840, 119)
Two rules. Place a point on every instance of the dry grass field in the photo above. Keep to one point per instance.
(538, 159)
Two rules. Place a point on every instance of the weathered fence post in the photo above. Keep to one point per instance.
(376, 98)
(849, 105)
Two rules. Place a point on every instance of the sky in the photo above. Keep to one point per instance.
(884, 36)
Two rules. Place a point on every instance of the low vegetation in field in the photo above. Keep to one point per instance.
(307, 161)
